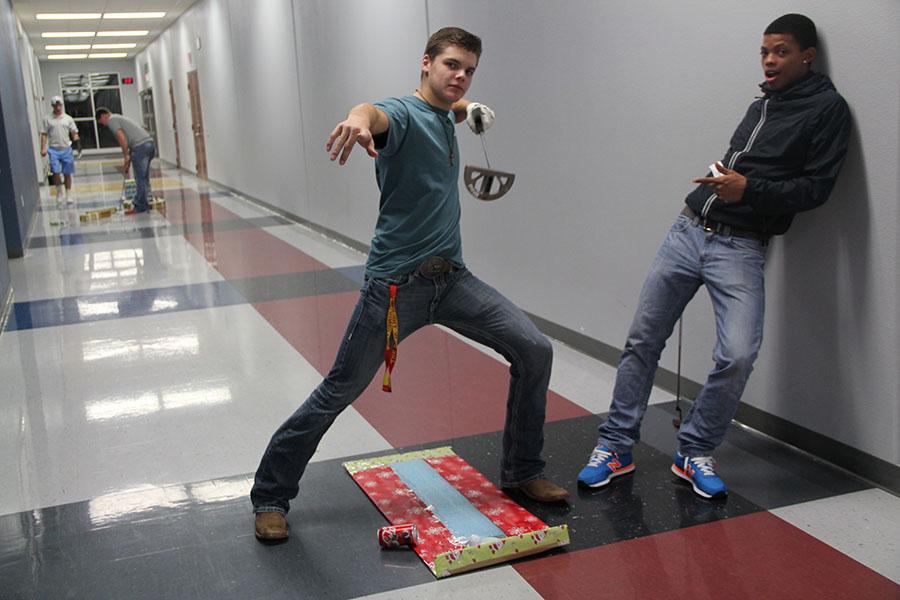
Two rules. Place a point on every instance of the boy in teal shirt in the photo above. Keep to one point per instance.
(415, 276)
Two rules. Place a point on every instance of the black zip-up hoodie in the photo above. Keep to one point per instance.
(790, 146)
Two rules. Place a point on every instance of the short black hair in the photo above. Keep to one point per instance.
(800, 27)
(101, 111)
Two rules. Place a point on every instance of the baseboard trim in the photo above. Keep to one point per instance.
(6, 308)
(872, 468)
(876, 470)
(330, 233)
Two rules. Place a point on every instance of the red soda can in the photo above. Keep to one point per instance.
(396, 536)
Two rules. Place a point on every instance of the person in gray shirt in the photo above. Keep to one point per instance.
(57, 135)
(138, 149)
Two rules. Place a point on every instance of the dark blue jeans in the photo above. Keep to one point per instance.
(141, 156)
(732, 270)
(458, 300)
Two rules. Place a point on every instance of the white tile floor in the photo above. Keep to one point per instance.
(96, 268)
(174, 398)
(499, 583)
(137, 412)
(864, 525)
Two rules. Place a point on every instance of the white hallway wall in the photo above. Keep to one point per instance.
(606, 111)
(31, 72)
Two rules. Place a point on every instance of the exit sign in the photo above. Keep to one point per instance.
(127, 80)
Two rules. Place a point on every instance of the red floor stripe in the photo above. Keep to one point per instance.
(443, 388)
(754, 556)
(234, 253)
(251, 253)
(187, 206)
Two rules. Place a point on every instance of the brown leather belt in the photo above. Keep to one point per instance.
(721, 228)
(433, 266)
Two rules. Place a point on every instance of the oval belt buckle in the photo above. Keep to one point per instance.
(433, 266)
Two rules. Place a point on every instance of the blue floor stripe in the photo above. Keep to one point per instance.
(356, 273)
(84, 203)
(77, 237)
(451, 507)
(81, 205)
(118, 305)
(53, 312)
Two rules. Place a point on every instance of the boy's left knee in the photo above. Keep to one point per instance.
(539, 349)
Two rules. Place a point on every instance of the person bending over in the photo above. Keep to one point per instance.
(138, 149)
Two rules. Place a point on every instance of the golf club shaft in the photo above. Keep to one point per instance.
(484, 147)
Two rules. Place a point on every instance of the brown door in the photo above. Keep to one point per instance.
(148, 116)
(197, 123)
(175, 125)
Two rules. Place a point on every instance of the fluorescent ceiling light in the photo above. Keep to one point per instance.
(132, 33)
(114, 46)
(134, 15)
(108, 55)
(65, 56)
(63, 34)
(67, 47)
(65, 16)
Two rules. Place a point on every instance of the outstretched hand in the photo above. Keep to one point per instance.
(729, 186)
(349, 132)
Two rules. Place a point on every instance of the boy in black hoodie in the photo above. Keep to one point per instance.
(783, 158)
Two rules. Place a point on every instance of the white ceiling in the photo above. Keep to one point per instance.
(26, 10)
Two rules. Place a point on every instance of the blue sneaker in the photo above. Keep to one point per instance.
(699, 471)
(603, 465)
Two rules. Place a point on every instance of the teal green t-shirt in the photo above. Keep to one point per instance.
(417, 171)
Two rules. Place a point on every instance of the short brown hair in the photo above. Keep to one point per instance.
(452, 36)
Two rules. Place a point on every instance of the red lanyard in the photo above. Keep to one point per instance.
(393, 339)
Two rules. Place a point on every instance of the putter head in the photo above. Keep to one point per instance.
(487, 184)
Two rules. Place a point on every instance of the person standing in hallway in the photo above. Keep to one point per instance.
(415, 276)
(57, 135)
(138, 149)
(783, 159)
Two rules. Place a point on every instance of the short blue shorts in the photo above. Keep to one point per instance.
(61, 161)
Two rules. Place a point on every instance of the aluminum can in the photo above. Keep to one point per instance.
(398, 536)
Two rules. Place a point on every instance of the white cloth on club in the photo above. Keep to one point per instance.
(476, 112)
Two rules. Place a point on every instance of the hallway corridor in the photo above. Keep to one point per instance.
(147, 359)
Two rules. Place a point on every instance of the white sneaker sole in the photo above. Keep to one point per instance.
(613, 475)
(697, 490)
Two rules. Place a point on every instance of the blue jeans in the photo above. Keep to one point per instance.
(732, 270)
(458, 300)
(141, 155)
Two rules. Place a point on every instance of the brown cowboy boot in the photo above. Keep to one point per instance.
(271, 527)
(542, 490)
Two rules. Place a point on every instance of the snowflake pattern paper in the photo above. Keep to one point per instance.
(443, 553)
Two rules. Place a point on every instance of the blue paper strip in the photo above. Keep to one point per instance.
(452, 508)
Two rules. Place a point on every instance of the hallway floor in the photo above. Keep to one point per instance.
(147, 360)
